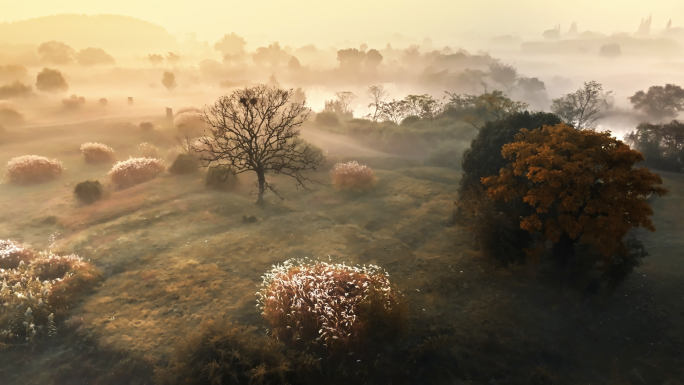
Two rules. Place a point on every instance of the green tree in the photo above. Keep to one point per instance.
(659, 102)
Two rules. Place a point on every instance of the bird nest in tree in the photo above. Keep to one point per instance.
(332, 305)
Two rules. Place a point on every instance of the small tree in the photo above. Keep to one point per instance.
(232, 47)
(377, 94)
(477, 110)
(659, 102)
(583, 107)
(662, 145)
(256, 129)
(169, 80)
(340, 105)
(504, 74)
(49, 80)
(582, 186)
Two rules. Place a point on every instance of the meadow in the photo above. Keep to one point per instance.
(176, 253)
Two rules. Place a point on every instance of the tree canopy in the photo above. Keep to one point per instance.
(659, 102)
(582, 185)
(583, 107)
(662, 145)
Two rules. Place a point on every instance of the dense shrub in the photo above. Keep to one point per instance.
(35, 293)
(147, 150)
(331, 305)
(103, 102)
(74, 102)
(353, 176)
(184, 164)
(222, 352)
(89, 191)
(94, 152)
(135, 171)
(221, 178)
(33, 169)
(327, 118)
(146, 126)
(191, 123)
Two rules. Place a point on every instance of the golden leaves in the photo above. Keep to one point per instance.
(581, 183)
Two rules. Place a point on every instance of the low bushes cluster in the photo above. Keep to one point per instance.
(9, 116)
(28, 169)
(352, 176)
(74, 102)
(89, 191)
(333, 306)
(36, 289)
(147, 150)
(146, 126)
(223, 352)
(221, 178)
(135, 171)
(94, 152)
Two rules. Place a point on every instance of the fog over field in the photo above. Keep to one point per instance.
(418, 193)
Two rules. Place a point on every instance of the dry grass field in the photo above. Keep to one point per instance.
(175, 253)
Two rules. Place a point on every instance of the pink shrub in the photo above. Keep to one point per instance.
(148, 150)
(353, 176)
(33, 169)
(135, 171)
(97, 153)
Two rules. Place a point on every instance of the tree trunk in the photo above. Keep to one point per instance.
(262, 187)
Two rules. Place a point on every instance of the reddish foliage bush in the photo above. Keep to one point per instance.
(330, 305)
(33, 169)
(97, 153)
(353, 176)
(135, 171)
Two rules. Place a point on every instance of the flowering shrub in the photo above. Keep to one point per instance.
(353, 176)
(135, 171)
(33, 169)
(332, 305)
(148, 150)
(32, 292)
(11, 253)
(97, 152)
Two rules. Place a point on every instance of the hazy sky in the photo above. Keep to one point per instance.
(352, 19)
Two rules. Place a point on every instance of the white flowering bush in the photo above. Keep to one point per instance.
(11, 253)
(32, 292)
(353, 176)
(97, 152)
(331, 305)
(135, 171)
(148, 150)
(32, 169)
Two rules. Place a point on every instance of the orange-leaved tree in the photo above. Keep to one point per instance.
(582, 186)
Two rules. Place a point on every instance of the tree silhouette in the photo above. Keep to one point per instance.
(582, 186)
(256, 129)
(169, 80)
(50, 80)
(659, 102)
(583, 107)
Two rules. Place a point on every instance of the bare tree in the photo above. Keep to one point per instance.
(583, 107)
(394, 111)
(256, 129)
(377, 94)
